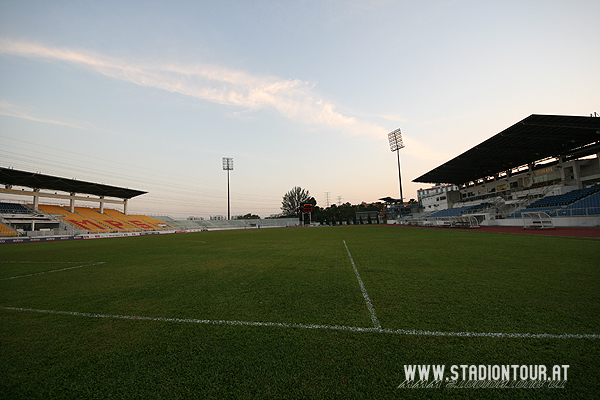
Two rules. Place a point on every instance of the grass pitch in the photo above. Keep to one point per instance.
(279, 313)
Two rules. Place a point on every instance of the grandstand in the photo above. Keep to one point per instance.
(154, 222)
(42, 219)
(544, 163)
(137, 222)
(459, 211)
(75, 220)
(204, 225)
(6, 231)
(18, 218)
(12, 208)
(36, 219)
(575, 203)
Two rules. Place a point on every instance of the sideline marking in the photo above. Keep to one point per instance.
(308, 326)
(45, 262)
(364, 291)
(88, 264)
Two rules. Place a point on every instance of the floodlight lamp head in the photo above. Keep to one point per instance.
(395, 139)
(227, 164)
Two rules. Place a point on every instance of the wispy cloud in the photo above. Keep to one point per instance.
(13, 110)
(294, 99)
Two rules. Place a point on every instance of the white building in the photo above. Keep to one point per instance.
(438, 197)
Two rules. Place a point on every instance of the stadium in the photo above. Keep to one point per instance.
(542, 172)
(167, 308)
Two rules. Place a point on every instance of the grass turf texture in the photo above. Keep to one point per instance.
(417, 279)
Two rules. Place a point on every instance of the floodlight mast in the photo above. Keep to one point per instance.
(396, 143)
(228, 166)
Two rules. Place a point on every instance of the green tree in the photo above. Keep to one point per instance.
(293, 199)
(249, 216)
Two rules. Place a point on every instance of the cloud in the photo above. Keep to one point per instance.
(12, 110)
(294, 99)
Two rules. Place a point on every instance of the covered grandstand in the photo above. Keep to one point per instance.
(544, 163)
(38, 219)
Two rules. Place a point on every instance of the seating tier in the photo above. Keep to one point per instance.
(13, 208)
(105, 219)
(133, 220)
(153, 221)
(6, 231)
(75, 220)
(565, 199)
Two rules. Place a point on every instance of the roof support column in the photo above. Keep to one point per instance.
(72, 203)
(561, 165)
(125, 206)
(36, 199)
(101, 204)
(577, 173)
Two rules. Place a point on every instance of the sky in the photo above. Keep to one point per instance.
(151, 95)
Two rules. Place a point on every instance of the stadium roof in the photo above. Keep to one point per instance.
(537, 137)
(38, 181)
(390, 200)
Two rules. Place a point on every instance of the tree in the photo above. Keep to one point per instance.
(249, 216)
(293, 199)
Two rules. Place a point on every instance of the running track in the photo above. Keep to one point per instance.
(560, 231)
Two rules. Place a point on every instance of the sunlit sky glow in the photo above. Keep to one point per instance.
(152, 95)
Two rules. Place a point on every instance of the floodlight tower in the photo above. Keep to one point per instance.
(228, 166)
(395, 138)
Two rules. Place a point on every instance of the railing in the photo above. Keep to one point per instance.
(465, 221)
(55, 232)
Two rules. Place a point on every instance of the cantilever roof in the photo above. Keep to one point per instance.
(39, 181)
(535, 138)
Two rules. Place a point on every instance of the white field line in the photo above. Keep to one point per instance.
(309, 326)
(45, 262)
(364, 291)
(88, 264)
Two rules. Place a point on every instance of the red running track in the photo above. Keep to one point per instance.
(560, 231)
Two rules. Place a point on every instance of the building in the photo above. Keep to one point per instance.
(438, 197)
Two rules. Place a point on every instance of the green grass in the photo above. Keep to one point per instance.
(417, 279)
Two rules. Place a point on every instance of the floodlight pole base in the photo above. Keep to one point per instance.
(228, 199)
(400, 177)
